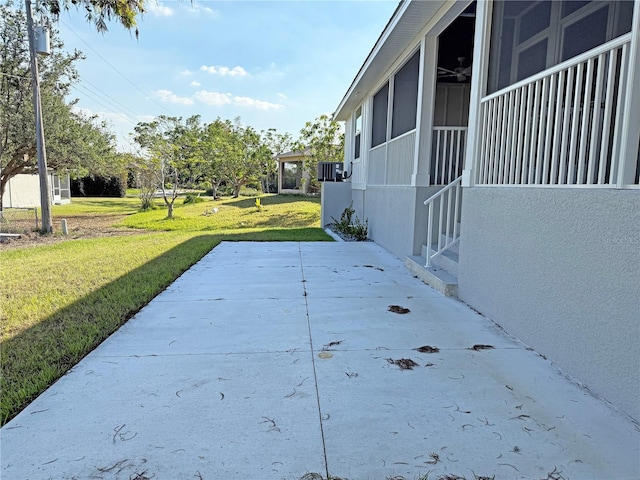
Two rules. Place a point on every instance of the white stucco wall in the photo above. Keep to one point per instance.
(397, 216)
(560, 270)
(22, 191)
(391, 211)
(334, 198)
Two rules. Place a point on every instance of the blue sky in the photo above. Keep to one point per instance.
(274, 64)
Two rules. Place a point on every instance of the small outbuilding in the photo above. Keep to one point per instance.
(292, 177)
(23, 190)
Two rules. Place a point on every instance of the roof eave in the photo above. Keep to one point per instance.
(378, 62)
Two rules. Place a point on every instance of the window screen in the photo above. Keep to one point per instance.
(379, 123)
(585, 34)
(357, 136)
(530, 36)
(405, 97)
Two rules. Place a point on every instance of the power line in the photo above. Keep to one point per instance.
(98, 101)
(14, 76)
(100, 98)
(111, 100)
(116, 70)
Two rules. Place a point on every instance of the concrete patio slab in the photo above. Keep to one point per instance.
(213, 326)
(274, 361)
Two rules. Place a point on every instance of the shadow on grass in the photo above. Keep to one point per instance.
(37, 357)
(250, 202)
(286, 220)
(130, 204)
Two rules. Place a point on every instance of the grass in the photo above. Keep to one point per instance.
(60, 301)
(233, 215)
(97, 206)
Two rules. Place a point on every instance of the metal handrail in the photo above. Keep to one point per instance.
(450, 229)
(443, 190)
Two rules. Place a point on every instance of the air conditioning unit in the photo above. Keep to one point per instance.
(330, 172)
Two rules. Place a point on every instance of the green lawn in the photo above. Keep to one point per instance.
(233, 215)
(60, 301)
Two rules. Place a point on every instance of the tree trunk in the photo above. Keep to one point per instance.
(215, 185)
(3, 185)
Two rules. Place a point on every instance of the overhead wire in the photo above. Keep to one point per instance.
(100, 97)
(111, 100)
(14, 76)
(116, 70)
(103, 100)
(120, 114)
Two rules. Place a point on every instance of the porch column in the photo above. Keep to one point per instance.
(481, 42)
(426, 100)
(631, 116)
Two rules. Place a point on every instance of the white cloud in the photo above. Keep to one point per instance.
(195, 84)
(145, 118)
(199, 9)
(219, 99)
(159, 10)
(82, 110)
(253, 103)
(236, 71)
(170, 97)
(283, 96)
(213, 98)
(186, 72)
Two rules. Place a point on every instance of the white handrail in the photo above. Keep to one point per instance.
(440, 192)
(447, 219)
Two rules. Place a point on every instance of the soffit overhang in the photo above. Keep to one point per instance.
(409, 18)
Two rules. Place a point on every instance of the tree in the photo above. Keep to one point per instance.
(81, 143)
(187, 140)
(216, 144)
(145, 177)
(165, 141)
(243, 158)
(75, 141)
(322, 141)
(126, 12)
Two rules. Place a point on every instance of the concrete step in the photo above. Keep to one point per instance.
(447, 260)
(438, 278)
(454, 247)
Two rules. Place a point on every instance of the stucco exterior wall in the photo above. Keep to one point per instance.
(397, 215)
(334, 198)
(391, 211)
(560, 270)
(22, 191)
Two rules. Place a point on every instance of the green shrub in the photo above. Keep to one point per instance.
(351, 227)
(114, 187)
(193, 198)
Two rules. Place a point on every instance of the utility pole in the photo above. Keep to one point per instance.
(45, 192)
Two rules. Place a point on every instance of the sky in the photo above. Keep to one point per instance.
(274, 64)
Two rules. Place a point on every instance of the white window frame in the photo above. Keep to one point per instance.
(554, 33)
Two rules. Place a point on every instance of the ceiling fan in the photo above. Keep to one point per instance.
(461, 73)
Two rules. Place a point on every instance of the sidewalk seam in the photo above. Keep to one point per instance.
(313, 364)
